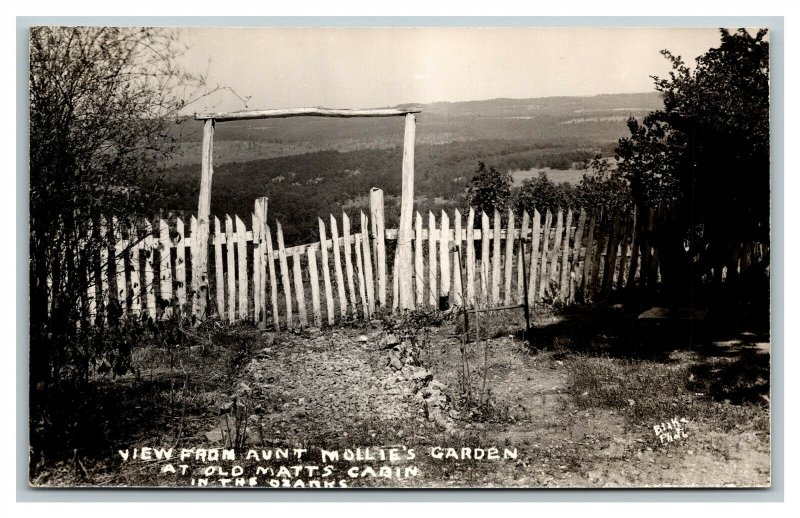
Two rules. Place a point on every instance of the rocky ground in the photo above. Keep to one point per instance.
(357, 388)
(582, 404)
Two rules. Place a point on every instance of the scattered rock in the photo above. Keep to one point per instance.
(422, 375)
(391, 340)
(438, 385)
(395, 363)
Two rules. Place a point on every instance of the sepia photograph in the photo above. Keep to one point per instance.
(399, 257)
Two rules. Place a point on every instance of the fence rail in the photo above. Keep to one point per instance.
(571, 256)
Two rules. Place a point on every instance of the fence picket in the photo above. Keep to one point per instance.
(555, 255)
(496, 259)
(432, 284)
(523, 236)
(261, 209)
(231, 264)
(395, 284)
(598, 254)
(509, 253)
(180, 265)
(164, 263)
(326, 273)
(419, 264)
(634, 249)
(191, 240)
(533, 275)
(576, 255)
(256, 269)
(149, 275)
(471, 257)
(284, 263)
(134, 267)
(314, 279)
(623, 254)
(563, 294)
(444, 255)
(348, 261)
(588, 259)
(273, 279)
(485, 258)
(219, 274)
(337, 266)
(362, 290)
(367, 258)
(299, 291)
(243, 281)
(458, 290)
(379, 235)
(611, 255)
(543, 284)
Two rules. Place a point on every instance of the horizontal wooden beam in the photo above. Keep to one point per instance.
(302, 112)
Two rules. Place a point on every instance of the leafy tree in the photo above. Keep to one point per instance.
(100, 102)
(542, 194)
(489, 189)
(603, 186)
(708, 152)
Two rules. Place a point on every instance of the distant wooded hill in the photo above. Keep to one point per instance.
(313, 166)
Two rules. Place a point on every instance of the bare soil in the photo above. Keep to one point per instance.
(577, 406)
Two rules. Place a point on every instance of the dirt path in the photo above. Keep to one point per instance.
(333, 387)
(338, 390)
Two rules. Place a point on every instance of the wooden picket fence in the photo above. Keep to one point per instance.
(570, 256)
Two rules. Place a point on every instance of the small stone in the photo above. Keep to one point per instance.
(422, 375)
(438, 385)
(395, 363)
(362, 338)
(391, 340)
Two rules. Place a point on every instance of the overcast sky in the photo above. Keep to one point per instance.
(359, 68)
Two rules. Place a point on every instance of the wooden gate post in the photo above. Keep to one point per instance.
(405, 233)
(200, 262)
